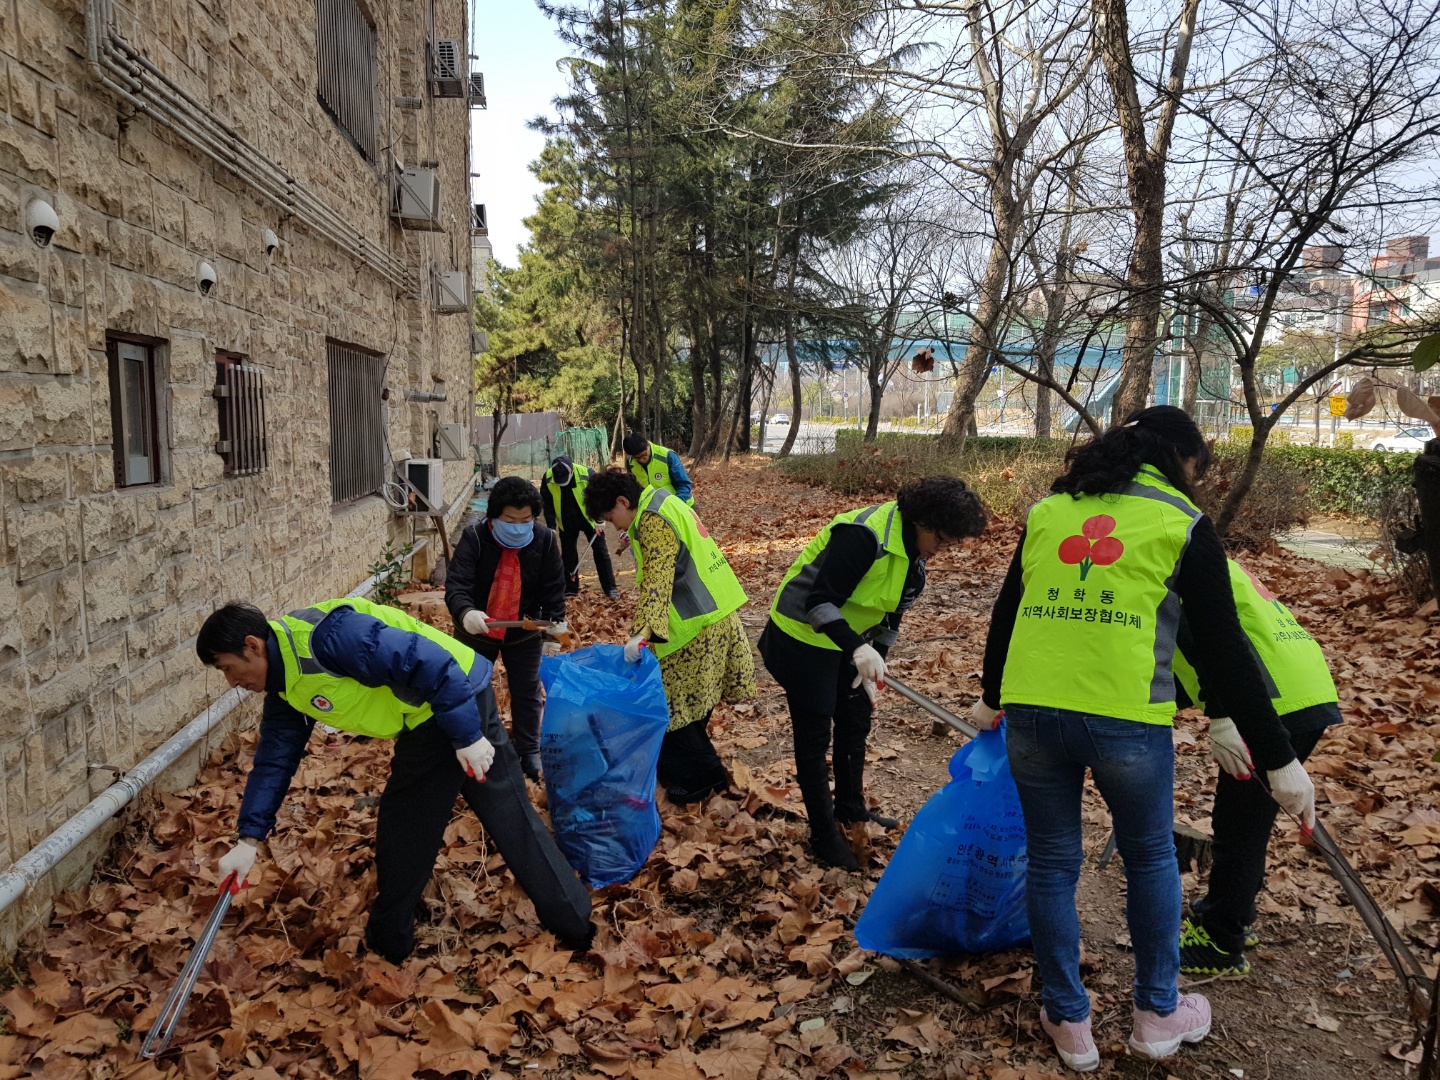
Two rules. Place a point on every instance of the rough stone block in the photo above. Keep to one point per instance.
(62, 692)
(107, 603)
(169, 212)
(90, 168)
(28, 154)
(45, 538)
(15, 715)
(24, 96)
(62, 412)
(40, 479)
(199, 227)
(97, 527)
(20, 260)
(36, 615)
(9, 627)
(27, 341)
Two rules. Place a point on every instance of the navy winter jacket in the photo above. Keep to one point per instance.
(360, 647)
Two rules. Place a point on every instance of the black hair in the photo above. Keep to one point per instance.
(606, 487)
(226, 629)
(1162, 436)
(944, 505)
(513, 491)
(635, 444)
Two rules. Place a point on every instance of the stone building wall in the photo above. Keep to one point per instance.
(102, 588)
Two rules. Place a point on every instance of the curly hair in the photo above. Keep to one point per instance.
(944, 505)
(606, 487)
(1162, 436)
(513, 491)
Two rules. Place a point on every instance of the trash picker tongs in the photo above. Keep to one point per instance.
(934, 708)
(158, 1039)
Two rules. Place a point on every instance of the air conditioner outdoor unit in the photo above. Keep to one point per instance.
(452, 292)
(476, 92)
(447, 69)
(415, 202)
(424, 483)
(453, 442)
(479, 224)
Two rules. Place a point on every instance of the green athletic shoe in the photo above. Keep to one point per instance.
(1199, 955)
(1252, 939)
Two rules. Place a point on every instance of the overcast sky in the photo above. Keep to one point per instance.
(518, 51)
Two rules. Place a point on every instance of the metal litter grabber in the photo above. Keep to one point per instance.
(934, 708)
(566, 639)
(157, 1040)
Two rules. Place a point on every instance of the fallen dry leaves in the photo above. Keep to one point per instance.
(729, 955)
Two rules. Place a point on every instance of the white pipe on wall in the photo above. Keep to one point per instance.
(46, 855)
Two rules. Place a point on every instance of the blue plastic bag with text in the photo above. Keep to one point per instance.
(956, 883)
(599, 744)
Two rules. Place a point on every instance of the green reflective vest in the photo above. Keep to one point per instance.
(706, 589)
(1095, 632)
(1290, 660)
(656, 472)
(342, 702)
(582, 479)
(877, 595)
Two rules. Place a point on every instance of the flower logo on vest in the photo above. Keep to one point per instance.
(1093, 547)
(1265, 594)
(321, 702)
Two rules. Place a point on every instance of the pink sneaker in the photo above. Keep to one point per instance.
(1073, 1042)
(1157, 1036)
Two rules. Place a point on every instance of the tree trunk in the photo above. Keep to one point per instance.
(873, 371)
(796, 403)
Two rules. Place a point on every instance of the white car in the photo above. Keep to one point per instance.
(1409, 440)
(780, 418)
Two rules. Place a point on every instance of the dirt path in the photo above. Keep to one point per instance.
(728, 955)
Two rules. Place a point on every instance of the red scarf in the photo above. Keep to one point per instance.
(503, 604)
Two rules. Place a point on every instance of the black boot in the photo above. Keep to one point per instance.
(828, 846)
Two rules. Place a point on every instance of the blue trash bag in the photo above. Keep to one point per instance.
(599, 744)
(957, 881)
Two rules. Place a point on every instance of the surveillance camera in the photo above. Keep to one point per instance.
(271, 242)
(207, 278)
(41, 222)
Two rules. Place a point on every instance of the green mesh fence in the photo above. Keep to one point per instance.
(531, 457)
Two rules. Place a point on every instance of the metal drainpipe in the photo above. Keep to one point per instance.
(46, 855)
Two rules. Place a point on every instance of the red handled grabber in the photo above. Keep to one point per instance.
(158, 1039)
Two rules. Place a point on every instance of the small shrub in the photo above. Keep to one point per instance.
(1341, 481)
(1279, 499)
(389, 573)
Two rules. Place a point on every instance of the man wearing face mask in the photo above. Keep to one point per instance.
(507, 567)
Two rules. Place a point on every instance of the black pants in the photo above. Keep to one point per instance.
(690, 767)
(851, 724)
(417, 805)
(1243, 819)
(521, 651)
(598, 548)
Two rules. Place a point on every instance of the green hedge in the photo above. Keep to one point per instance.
(1341, 481)
(849, 440)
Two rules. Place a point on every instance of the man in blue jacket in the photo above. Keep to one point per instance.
(657, 466)
(373, 670)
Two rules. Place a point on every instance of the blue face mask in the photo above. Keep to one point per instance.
(513, 534)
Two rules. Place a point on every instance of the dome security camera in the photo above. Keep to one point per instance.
(41, 222)
(207, 278)
(271, 242)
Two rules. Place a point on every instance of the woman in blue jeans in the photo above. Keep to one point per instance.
(1079, 658)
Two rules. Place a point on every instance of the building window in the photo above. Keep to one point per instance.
(134, 412)
(240, 394)
(357, 421)
(345, 54)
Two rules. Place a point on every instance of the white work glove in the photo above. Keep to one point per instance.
(1293, 790)
(633, 647)
(238, 861)
(559, 629)
(869, 670)
(477, 758)
(1229, 749)
(983, 717)
(474, 623)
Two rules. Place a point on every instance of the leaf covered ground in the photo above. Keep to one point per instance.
(729, 955)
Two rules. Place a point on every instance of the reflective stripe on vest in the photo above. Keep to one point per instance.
(1096, 628)
(706, 590)
(876, 596)
(1289, 659)
(340, 701)
(582, 479)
